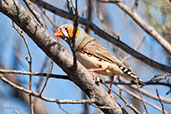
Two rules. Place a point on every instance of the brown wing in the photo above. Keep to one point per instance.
(98, 50)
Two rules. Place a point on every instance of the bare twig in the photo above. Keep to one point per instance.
(3, 71)
(160, 77)
(69, 7)
(44, 74)
(135, 5)
(74, 6)
(32, 93)
(146, 27)
(16, 112)
(51, 21)
(63, 109)
(30, 64)
(121, 97)
(141, 97)
(137, 97)
(42, 69)
(49, 72)
(160, 101)
(146, 92)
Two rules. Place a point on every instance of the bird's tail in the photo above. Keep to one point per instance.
(131, 75)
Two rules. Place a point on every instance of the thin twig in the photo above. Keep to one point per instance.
(135, 5)
(30, 64)
(160, 101)
(74, 5)
(55, 76)
(16, 112)
(3, 71)
(32, 93)
(137, 97)
(160, 77)
(43, 67)
(121, 97)
(141, 97)
(70, 6)
(147, 93)
(106, 107)
(38, 85)
(51, 21)
(146, 27)
(47, 78)
(63, 109)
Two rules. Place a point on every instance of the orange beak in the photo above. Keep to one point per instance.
(58, 33)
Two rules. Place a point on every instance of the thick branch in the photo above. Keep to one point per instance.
(58, 54)
(104, 35)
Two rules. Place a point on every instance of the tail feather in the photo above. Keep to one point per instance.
(127, 71)
(130, 73)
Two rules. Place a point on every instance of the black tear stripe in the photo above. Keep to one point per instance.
(127, 71)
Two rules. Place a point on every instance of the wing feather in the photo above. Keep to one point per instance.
(98, 50)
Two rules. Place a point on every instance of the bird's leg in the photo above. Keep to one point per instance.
(102, 69)
(111, 82)
(94, 70)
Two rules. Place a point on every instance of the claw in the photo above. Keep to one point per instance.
(98, 79)
(112, 96)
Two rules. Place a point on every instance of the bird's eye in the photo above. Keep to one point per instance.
(66, 29)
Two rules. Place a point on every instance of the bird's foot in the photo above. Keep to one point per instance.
(98, 79)
(112, 96)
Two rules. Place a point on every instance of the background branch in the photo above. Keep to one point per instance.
(146, 27)
(104, 35)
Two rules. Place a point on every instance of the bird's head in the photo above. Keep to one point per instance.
(66, 32)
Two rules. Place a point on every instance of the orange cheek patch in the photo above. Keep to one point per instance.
(70, 32)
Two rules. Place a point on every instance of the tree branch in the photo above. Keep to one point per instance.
(30, 92)
(146, 27)
(104, 35)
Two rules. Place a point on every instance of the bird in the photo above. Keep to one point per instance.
(94, 56)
